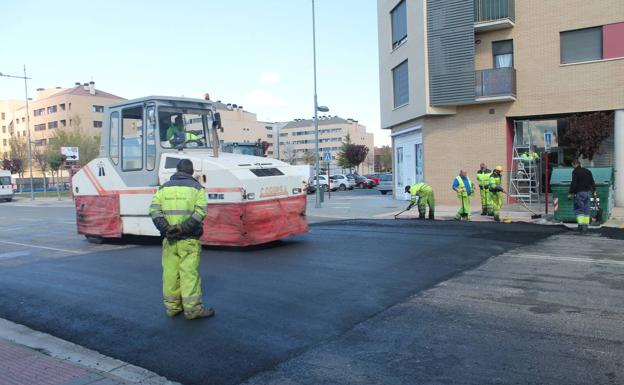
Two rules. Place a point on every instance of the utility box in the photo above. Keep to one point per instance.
(560, 185)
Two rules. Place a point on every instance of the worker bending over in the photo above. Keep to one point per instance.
(495, 193)
(423, 193)
(483, 179)
(465, 190)
(178, 210)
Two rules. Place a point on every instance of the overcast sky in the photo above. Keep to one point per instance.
(254, 53)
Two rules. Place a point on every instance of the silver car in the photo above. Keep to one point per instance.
(385, 184)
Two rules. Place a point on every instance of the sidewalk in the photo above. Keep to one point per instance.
(28, 357)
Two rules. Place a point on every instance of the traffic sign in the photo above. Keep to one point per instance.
(71, 153)
(548, 136)
(327, 157)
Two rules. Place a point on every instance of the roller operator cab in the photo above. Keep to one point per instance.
(251, 200)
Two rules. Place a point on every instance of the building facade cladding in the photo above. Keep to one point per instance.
(242, 126)
(462, 136)
(297, 140)
(53, 109)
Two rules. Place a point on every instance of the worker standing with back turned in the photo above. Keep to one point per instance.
(424, 194)
(580, 188)
(483, 179)
(178, 210)
(465, 190)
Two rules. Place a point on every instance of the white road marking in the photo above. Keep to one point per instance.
(43, 247)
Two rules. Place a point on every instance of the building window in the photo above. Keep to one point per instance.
(4, 129)
(503, 53)
(23, 120)
(62, 106)
(4, 142)
(269, 136)
(3, 116)
(98, 108)
(40, 142)
(398, 17)
(63, 123)
(400, 84)
(52, 125)
(51, 109)
(581, 45)
(39, 112)
(17, 121)
(97, 124)
(40, 127)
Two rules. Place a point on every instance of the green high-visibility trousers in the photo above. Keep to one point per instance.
(495, 203)
(181, 279)
(464, 208)
(426, 199)
(484, 199)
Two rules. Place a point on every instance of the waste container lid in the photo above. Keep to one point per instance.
(563, 175)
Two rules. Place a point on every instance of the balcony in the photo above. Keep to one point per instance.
(495, 85)
(490, 15)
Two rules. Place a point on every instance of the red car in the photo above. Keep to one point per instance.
(375, 178)
(363, 182)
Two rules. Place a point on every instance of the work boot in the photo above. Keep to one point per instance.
(496, 217)
(421, 216)
(173, 312)
(205, 312)
(431, 215)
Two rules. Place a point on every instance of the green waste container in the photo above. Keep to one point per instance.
(560, 185)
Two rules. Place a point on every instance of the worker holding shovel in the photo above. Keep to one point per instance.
(464, 188)
(496, 193)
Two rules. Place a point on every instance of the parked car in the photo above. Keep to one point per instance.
(6, 187)
(374, 177)
(385, 184)
(363, 182)
(325, 185)
(343, 182)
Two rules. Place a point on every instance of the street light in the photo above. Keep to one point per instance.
(32, 191)
(317, 108)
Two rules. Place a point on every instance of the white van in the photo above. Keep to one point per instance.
(6, 187)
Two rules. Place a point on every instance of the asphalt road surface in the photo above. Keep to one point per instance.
(352, 302)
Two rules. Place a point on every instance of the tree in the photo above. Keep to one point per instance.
(18, 153)
(288, 153)
(55, 162)
(356, 154)
(342, 159)
(88, 144)
(42, 162)
(384, 160)
(586, 131)
(308, 157)
(6, 164)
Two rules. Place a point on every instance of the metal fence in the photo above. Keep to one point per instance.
(488, 10)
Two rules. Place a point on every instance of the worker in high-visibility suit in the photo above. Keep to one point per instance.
(483, 180)
(465, 190)
(423, 193)
(496, 193)
(178, 210)
(176, 134)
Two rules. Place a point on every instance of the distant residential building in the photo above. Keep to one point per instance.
(462, 81)
(53, 109)
(297, 140)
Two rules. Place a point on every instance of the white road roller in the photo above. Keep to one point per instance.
(251, 200)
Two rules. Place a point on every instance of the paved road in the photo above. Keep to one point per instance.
(352, 302)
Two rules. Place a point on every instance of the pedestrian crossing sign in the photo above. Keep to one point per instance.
(327, 157)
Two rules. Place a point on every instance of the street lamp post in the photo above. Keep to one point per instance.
(317, 108)
(32, 191)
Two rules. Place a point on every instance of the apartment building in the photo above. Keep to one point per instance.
(470, 81)
(243, 127)
(52, 109)
(297, 140)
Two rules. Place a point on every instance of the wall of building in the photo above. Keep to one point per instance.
(463, 141)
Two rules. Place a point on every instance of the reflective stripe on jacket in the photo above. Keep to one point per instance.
(181, 199)
(483, 177)
(463, 189)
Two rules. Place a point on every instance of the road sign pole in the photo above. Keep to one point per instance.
(328, 184)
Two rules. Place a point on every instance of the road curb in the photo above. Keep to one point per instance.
(78, 355)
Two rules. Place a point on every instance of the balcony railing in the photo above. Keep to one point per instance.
(496, 83)
(492, 10)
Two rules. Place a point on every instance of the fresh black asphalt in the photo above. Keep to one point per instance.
(273, 302)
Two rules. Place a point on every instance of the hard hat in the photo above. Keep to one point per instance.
(499, 168)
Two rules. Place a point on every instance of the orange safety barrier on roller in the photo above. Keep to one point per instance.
(98, 215)
(254, 223)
